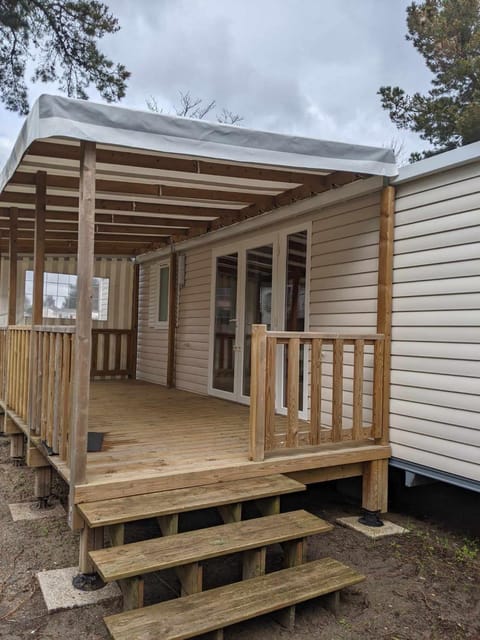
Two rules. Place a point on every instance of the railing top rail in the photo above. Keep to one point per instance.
(54, 328)
(309, 335)
(18, 327)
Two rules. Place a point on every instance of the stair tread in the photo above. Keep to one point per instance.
(158, 554)
(200, 613)
(151, 505)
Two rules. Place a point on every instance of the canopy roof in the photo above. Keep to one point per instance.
(163, 178)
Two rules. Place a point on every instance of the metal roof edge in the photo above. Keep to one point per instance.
(436, 164)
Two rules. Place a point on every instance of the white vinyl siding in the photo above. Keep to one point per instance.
(152, 342)
(343, 290)
(193, 326)
(435, 392)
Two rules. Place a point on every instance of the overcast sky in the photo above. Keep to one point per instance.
(306, 67)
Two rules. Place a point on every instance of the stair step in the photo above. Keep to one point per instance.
(158, 554)
(150, 505)
(210, 610)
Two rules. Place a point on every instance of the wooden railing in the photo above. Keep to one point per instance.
(17, 368)
(50, 399)
(331, 390)
(112, 353)
(40, 395)
(3, 362)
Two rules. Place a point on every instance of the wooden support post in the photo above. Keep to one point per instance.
(375, 486)
(90, 539)
(331, 601)
(257, 392)
(17, 446)
(172, 321)
(83, 333)
(116, 533)
(38, 277)
(168, 524)
(43, 482)
(132, 360)
(230, 512)
(268, 506)
(133, 592)
(191, 578)
(384, 304)
(254, 561)
(39, 247)
(34, 457)
(294, 555)
(12, 282)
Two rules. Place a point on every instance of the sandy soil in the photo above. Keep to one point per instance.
(420, 586)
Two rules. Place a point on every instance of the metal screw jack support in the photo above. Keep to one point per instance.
(43, 503)
(88, 582)
(371, 518)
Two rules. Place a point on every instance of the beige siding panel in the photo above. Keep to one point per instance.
(343, 290)
(420, 274)
(194, 323)
(440, 430)
(152, 341)
(445, 448)
(426, 458)
(435, 393)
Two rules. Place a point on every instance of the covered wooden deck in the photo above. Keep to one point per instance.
(157, 438)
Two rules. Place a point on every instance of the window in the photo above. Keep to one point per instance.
(60, 296)
(163, 290)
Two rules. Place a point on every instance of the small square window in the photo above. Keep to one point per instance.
(163, 293)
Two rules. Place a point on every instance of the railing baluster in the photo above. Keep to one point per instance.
(270, 393)
(316, 391)
(378, 389)
(257, 392)
(39, 385)
(57, 393)
(358, 363)
(106, 351)
(292, 391)
(337, 390)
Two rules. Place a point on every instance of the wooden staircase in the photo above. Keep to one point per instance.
(196, 611)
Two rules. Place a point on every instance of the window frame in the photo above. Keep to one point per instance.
(162, 324)
(57, 275)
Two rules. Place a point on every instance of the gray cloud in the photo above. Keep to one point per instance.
(306, 67)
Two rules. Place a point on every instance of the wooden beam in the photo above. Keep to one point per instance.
(130, 206)
(12, 283)
(132, 189)
(384, 303)
(172, 321)
(289, 196)
(39, 247)
(184, 165)
(132, 363)
(105, 218)
(83, 333)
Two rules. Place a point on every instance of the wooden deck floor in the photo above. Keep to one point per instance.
(158, 438)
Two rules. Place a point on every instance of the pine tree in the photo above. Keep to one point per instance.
(447, 34)
(60, 38)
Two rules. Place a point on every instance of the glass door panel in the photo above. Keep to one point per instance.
(295, 283)
(258, 301)
(225, 326)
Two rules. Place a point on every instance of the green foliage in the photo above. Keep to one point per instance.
(447, 34)
(60, 38)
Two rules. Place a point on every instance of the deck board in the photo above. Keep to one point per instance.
(156, 439)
